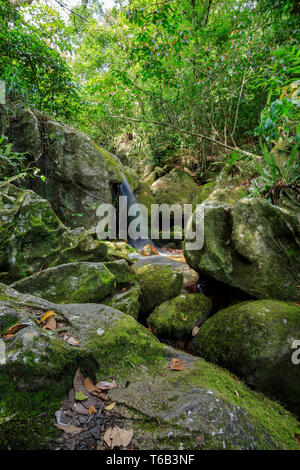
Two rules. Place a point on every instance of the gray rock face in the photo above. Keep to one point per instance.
(79, 175)
(70, 283)
(252, 245)
(32, 237)
(180, 410)
(25, 133)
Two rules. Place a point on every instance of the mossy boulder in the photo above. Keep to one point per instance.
(176, 318)
(204, 192)
(255, 341)
(40, 364)
(158, 283)
(252, 245)
(201, 407)
(80, 282)
(190, 276)
(25, 130)
(121, 250)
(127, 301)
(177, 187)
(33, 238)
(124, 274)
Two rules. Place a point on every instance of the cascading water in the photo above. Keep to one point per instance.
(126, 190)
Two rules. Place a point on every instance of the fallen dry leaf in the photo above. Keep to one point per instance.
(14, 328)
(89, 385)
(69, 428)
(78, 382)
(72, 341)
(47, 315)
(106, 385)
(50, 324)
(92, 410)
(195, 330)
(176, 364)
(110, 406)
(118, 437)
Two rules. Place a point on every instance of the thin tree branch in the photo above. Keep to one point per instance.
(210, 139)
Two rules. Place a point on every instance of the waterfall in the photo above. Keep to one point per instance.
(126, 190)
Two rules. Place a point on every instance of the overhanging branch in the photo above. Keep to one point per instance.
(182, 131)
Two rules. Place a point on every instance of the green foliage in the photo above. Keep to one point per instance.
(34, 72)
(14, 165)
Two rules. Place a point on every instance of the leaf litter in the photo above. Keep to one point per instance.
(88, 418)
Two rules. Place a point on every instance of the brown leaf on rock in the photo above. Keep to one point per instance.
(117, 437)
(89, 385)
(50, 324)
(102, 385)
(69, 428)
(47, 315)
(92, 410)
(176, 364)
(14, 328)
(78, 382)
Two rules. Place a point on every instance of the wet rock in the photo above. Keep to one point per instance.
(255, 341)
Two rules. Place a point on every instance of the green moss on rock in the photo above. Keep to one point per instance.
(175, 318)
(255, 341)
(177, 187)
(127, 301)
(158, 283)
(33, 238)
(70, 283)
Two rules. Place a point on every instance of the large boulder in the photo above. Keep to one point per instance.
(32, 237)
(201, 407)
(177, 187)
(255, 341)
(79, 282)
(175, 319)
(190, 276)
(79, 174)
(250, 244)
(40, 364)
(157, 283)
